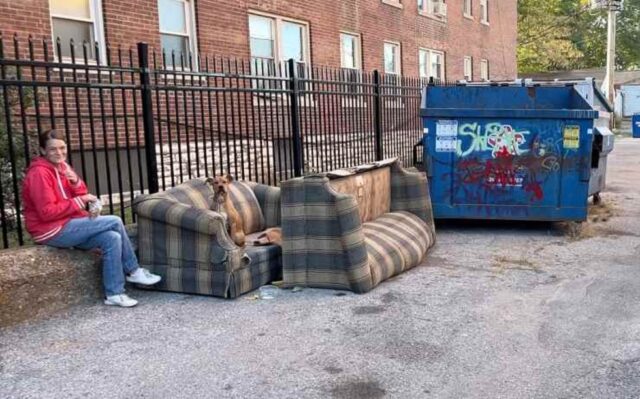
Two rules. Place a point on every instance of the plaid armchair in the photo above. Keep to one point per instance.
(182, 240)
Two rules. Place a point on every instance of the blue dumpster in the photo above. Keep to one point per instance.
(635, 126)
(508, 152)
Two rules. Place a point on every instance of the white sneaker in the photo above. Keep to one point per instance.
(121, 300)
(144, 277)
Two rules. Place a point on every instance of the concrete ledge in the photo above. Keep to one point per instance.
(37, 281)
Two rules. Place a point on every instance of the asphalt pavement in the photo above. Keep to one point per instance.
(497, 310)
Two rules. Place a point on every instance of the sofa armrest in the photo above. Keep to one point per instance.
(410, 192)
(166, 228)
(323, 240)
(269, 200)
(180, 215)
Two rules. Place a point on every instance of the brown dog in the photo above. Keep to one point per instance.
(222, 203)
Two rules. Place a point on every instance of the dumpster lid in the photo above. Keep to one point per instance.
(607, 139)
(551, 102)
(603, 131)
(603, 99)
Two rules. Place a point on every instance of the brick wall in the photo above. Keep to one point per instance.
(222, 29)
(93, 117)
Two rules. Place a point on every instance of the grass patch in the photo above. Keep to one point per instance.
(118, 210)
(600, 213)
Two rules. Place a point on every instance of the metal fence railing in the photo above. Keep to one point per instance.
(140, 121)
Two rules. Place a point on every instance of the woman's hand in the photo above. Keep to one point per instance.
(71, 176)
(87, 198)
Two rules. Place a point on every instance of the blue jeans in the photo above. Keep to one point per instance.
(108, 234)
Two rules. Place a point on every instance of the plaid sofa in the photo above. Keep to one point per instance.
(330, 241)
(186, 243)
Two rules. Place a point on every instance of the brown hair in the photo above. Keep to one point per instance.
(50, 135)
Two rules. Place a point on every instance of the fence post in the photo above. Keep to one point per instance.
(147, 117)
(295, 118)
(377, 113)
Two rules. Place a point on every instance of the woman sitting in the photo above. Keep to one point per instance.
(55, 199)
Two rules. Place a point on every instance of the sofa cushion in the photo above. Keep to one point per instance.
(269, 199)
(371, 189)
(194, 192)
(265, 265)
(396, 242)
(247, 205)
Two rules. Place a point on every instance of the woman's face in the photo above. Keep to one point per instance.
(55, 152)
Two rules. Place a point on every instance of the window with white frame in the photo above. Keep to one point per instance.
(468, 69)
(392, 70)
(350, 51)
(262, 40)
(484, 11)
(395, 3)
(467, 8)
(80, 20)
(273, 40)
(484, 70)
(437, 65)
(392, 58)
(431, 64)
(437, 8)
(350, 61)
(177, 30)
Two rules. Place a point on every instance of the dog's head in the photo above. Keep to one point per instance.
(220, 184)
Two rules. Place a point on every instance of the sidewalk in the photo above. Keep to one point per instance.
(499, 310)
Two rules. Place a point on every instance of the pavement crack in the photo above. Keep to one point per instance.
(627, 362)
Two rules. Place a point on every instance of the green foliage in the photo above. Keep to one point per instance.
(544, 35)
(568, 34)
(628, 41)
(14, 147)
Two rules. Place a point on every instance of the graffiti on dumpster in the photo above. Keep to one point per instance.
(501, 171)
(510, 165)
(495, 137)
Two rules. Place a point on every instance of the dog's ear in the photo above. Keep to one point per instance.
(229, 178)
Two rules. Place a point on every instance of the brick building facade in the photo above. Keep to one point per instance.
(220, 123)
(472, 38)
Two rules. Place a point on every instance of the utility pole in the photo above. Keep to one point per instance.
(613, 6)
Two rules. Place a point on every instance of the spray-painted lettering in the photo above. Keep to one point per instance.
(495, 137)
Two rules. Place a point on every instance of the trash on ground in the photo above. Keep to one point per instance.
(268, 291)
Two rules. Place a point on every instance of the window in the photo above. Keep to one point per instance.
(350, 51)
(392, 58)
(277, 39)
(350, 61)
(436, 8)
(467, 8)
(468, 69)
(395, 3)
(177, 29)
(274, 40)
(484, 70)
(392, 70)
(80, 20)
(292, 41)
(431, 64)
(484, 11)
(437, 65)
(261, 38)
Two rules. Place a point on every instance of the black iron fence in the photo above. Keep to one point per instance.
(140, 121)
